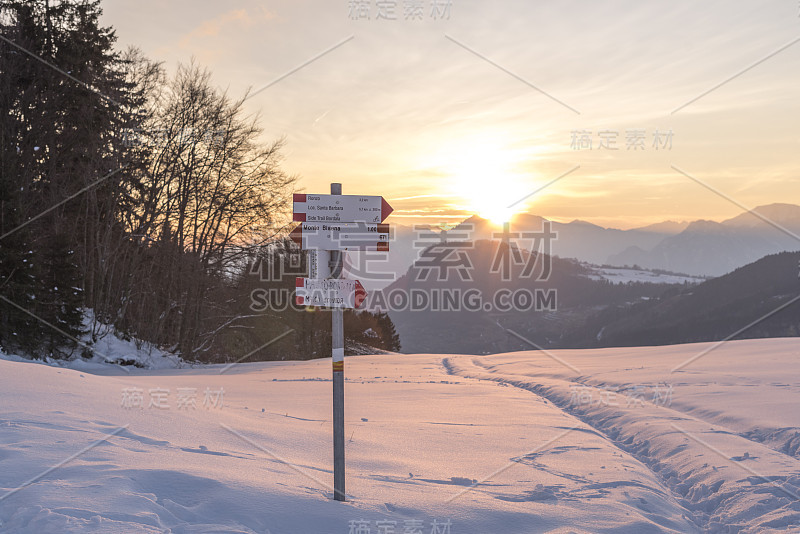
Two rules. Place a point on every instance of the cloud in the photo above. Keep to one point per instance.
(405, 112)
(226, 22)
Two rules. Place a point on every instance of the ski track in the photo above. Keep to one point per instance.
(691, 466)
(784, 440)
(717, 496)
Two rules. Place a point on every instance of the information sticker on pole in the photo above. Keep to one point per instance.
(331, 293)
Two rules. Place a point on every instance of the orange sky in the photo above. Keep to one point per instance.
(450, 116)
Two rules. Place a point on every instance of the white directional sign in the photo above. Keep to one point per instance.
(341, 236)
(340, 208)
(331, 292)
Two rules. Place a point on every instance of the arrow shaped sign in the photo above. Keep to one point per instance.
(341, 236)
(340, 208)
(331, 292)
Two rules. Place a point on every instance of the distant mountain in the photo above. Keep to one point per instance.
(712, 248)
(438, 307)
(577, 239)
(785, 214)
(710, 311)
(666, 227)
(700, 248)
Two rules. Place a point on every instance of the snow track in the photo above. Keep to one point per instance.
(729, 483)
(467, 443)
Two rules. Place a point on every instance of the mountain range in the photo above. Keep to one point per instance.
(715, 248)
(702, 247)
(699, 248)
(560, 303)
(754, 301)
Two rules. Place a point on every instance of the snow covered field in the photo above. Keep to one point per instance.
(604, 440)
(623, 275)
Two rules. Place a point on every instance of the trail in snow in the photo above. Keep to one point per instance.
(725, 477)
(472, 447)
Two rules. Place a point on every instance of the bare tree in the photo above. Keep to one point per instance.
(214, 193)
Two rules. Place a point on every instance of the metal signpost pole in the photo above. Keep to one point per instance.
(337, 349)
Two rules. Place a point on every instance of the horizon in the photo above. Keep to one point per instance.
(684, 223)
(447, 117)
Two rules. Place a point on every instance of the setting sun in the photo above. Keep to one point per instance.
(485, 181)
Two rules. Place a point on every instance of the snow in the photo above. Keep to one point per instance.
(110, 354)
(513, 443)
(624, 275)
(112, 348)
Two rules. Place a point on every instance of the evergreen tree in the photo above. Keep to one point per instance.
(62, 103)
(19, 331)
(58, 278)
(151, 233)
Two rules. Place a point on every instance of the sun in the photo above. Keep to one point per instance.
(485, 182)
(497, 216)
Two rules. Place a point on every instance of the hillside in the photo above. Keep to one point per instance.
(709, 311)
(478, 324)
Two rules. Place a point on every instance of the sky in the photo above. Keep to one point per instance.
(458, 107)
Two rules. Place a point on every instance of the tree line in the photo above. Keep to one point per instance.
(143, 198)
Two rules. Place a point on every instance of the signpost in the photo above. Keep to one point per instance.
(337, 223)
(341, 236)
(340, 208)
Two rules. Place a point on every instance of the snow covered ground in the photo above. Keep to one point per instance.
(581, 441)
(624, 275)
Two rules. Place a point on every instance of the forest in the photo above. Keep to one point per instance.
(140, 201)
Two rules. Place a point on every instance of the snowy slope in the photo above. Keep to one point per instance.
(716, 422)
(504, 443)
(624, 275)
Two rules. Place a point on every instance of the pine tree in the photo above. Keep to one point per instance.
(19, 331)
(60, 299)
(59, 135)
(388, 334)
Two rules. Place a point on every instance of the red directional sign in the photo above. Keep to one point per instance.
(331, 293)
(340, 208)
(341, 236)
